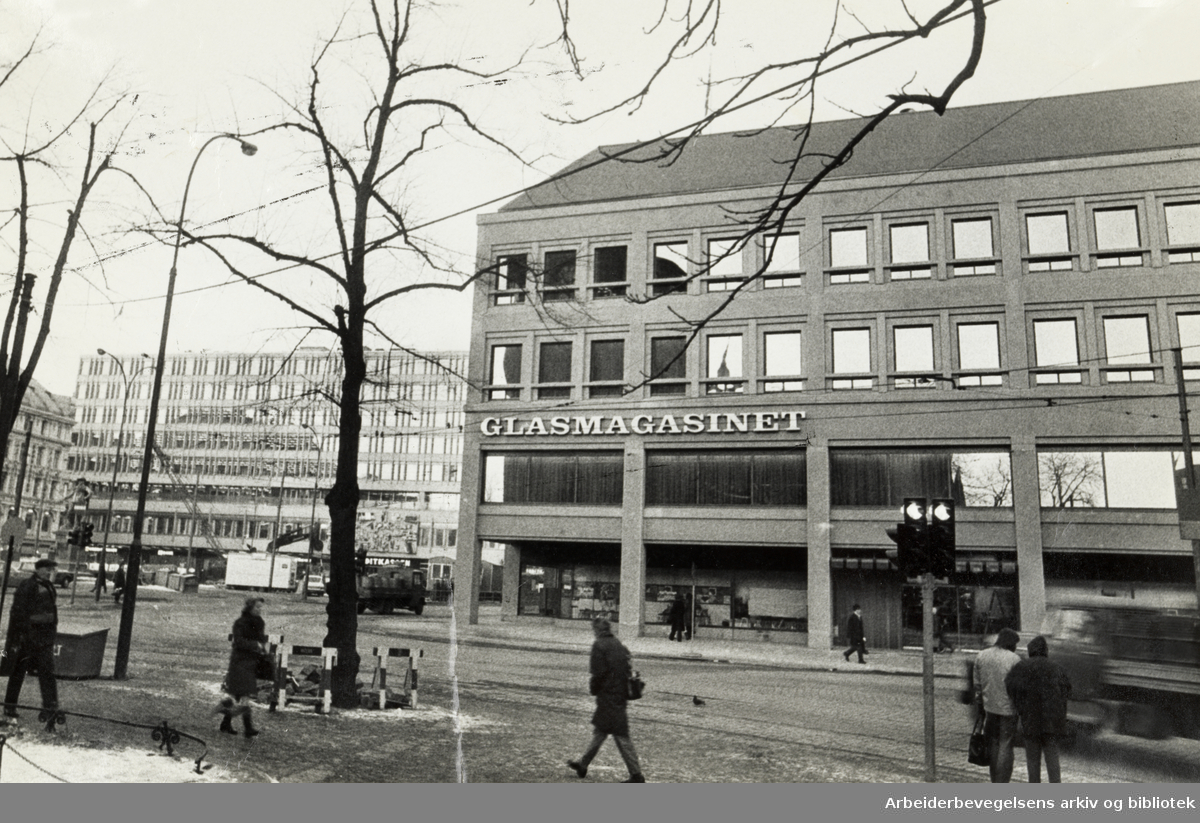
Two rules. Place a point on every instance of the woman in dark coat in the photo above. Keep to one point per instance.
(241, 681)
(1039, 690)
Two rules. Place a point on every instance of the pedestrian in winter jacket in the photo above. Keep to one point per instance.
(32, 629)
(678, 617)
(241, 681)
(610, 668)
(1039, 689)
(119, 583)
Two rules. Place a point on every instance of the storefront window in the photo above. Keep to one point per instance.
(593, 478)
(740, 478)
(872, 478)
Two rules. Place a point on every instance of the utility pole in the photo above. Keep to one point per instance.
(927, 676)
(278, 526)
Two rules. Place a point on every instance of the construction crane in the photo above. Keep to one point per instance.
(188, 501)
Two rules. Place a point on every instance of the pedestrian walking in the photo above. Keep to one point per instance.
(854, 630)
(1000, 717)
(119, 583)
(29, 645)
(610, 667)
(1039, 689)
(101, 584)
(678, 617)
(245, 658)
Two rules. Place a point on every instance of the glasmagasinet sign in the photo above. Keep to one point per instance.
(712, 423)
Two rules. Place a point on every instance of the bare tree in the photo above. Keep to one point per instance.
(792, 87)
(53, 166)
(1071, 479)
(403, 112)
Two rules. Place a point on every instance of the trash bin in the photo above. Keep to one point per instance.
(78, 655)
(184, 583)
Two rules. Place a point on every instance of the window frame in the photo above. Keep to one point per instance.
(733, 383)
(1191, 368)
(1129, 372)
(774, 276)
(846, 381)
(905, 271)
(836, 275)
(1041, 262)
(494, 391)
(605, 289)
(1174, 253)
(978, 378)
(671, 385)
(1059, 374)
(508, 294)
(554, 389)
(957, 266)
(559, 293)
(785, 381)
(604, 388)
(726, 273)
(918, 378)
(1118, 256)
(660, 286)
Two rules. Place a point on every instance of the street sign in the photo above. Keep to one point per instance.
(13, 527)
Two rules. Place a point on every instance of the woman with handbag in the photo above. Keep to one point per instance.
(249, 653)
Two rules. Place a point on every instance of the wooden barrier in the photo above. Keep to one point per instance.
(379, 681)
(283, 676)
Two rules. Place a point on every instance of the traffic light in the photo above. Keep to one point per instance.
(941, 537)
(73, 537)
(86, 535)
(909, 554)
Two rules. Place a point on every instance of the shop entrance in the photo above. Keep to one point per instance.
(570, 581)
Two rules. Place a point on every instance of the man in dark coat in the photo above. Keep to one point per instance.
(32, 629)
(119, 583)
(1039, 689)
(678, 617)
(610, 668)
(858, 640)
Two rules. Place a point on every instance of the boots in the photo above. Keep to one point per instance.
(227, 725)
(250, 731)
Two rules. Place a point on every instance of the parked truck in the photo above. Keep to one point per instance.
(252, 570)
(383, 589)
(1133, 670)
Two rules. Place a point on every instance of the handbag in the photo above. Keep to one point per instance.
(977, 749)
(635, 687)
(264, 667)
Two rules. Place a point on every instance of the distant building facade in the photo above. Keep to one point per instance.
(981, 306)
(247, 447)
(47, 493)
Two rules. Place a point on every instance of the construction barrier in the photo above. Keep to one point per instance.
(379, 681)
(284, 677)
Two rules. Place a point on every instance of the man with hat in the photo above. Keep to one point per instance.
(32, 629)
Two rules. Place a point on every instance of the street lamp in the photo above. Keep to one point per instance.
(312, 518)
(112, 487)
(125, 632)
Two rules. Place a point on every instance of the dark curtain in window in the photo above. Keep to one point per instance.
(560, 269)
(780, 479)
(608, 360)
(667, 360)
(610, 264)
(551, 478)
(724, 479)
(516, 478)
(555, 363)
(671, 479)
(600, 479)
(886, 478)
(918, 475)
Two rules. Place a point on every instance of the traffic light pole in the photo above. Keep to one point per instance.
(927, 677)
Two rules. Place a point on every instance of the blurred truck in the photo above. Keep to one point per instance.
(1135, 671)
(383, 589)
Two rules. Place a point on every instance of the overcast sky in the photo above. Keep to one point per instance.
(203, 68)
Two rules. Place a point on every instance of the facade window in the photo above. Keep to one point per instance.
(1189, 344)
(1183, 232)
(914, 357)
(1127, 343)
(909, 252)
(885, 478)
(511, 270)
(670, 269)
(978, 355)
(1049, 242)
(606, 374)
(848, 250)
(554, 367)
(851, 359)
(724, 369)
(610, 271)
(558, 276)
(974, 251)
(1055, 346)
(505, 374)
(783, 269)
(736, 478)
(1108, 479)
(723, 266)
(1117, 229)
(782, 364)
(668, 366)
(592, 478)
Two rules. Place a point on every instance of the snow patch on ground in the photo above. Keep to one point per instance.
(36, 762)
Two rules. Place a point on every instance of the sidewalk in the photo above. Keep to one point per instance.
(577, 635)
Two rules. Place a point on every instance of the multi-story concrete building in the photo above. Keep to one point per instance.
(980, 306)
(236, 430)
(46, 419)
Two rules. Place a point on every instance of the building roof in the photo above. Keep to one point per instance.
(40, 401)
(1023, 131)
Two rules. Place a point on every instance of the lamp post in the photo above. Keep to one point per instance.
(112, 487)
(312, 518)
(125, 632)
